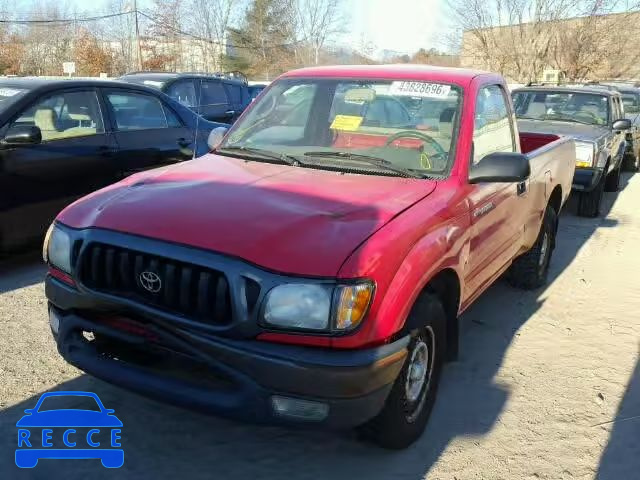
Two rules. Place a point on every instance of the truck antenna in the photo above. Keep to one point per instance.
(195, 134)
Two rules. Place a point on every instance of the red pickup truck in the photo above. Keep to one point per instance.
(312, 269)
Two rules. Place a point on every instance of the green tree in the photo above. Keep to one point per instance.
(264, 42)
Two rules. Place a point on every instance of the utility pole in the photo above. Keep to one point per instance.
(138, 48)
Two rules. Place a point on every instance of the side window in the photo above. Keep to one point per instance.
(135, 111)
(236, 93)
(213, 93)
(172, 118)
(492, 130)
(184, 91)
(65, 115)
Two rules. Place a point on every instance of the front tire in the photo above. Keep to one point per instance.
(408, 406)
(589, 202)
(530, 269)
(612, 183)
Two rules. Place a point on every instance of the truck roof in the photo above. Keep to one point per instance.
(461, 76)
(568, 89)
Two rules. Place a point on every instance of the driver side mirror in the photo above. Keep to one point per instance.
(23, 135)
(501, 167)
(622, 124)
(215, 137)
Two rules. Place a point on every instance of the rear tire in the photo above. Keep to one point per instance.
(589, 202)
(530, 269)
(406, 411)
(612, 183)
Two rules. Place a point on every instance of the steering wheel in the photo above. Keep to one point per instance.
(420, 136)
(588, 116)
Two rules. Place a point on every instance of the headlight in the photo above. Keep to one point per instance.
(57, 248)
(585, 154)
(298, 306)
(310, 307)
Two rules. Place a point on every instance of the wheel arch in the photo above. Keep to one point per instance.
(555, 199)
(445, 285)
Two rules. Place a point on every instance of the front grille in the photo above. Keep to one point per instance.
(194, 292)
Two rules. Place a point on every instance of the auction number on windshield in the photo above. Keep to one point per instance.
(419, 89)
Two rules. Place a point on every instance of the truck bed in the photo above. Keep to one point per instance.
(552, 159)
(531, 141)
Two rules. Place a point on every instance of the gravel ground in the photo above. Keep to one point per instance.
(547, 385)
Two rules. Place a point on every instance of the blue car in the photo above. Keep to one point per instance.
(29, 452)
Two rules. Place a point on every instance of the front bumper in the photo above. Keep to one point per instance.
(232, 378)
(586, 179)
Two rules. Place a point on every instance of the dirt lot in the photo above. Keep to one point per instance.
(547, 386)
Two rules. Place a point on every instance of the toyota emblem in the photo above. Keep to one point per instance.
(150, 281)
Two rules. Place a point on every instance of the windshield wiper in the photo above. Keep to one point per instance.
(561, 118)
(261, 152)
(371, 160)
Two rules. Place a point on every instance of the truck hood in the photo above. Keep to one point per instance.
(287, 219)
(578, 131)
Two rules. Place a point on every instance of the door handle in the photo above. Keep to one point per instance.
(521, 188)
(183, 142)
(231, 113)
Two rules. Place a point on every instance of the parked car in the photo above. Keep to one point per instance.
(215, 98)
(62, 139)
(311, 274)
(594, 116)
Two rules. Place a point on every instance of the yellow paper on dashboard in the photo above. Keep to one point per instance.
(346, 122)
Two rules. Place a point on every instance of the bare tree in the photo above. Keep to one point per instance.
(210, 20)
(118, 34)
(317, 21)
(596, 46)
(520, 38)
(48, 45)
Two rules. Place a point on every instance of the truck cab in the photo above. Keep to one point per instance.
(313, 267)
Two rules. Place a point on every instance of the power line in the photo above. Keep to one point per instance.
(66, 20)
(215, 42)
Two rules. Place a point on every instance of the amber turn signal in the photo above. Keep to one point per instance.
(352, 303)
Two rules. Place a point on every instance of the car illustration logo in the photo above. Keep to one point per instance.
(92, 432)
(150, 281)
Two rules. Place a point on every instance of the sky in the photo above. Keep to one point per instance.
(401, 25)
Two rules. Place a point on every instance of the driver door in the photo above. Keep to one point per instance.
(495, 218)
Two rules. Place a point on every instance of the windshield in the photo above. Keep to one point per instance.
(588, 108)
(630, 101)
(336, 123)
(9, 95)
(75, 402)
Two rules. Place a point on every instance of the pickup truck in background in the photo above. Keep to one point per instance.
(594, 117)
(312, 269)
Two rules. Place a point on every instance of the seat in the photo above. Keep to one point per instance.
(77, 109)
(46, 120)
(591, 109)
(536, 110)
